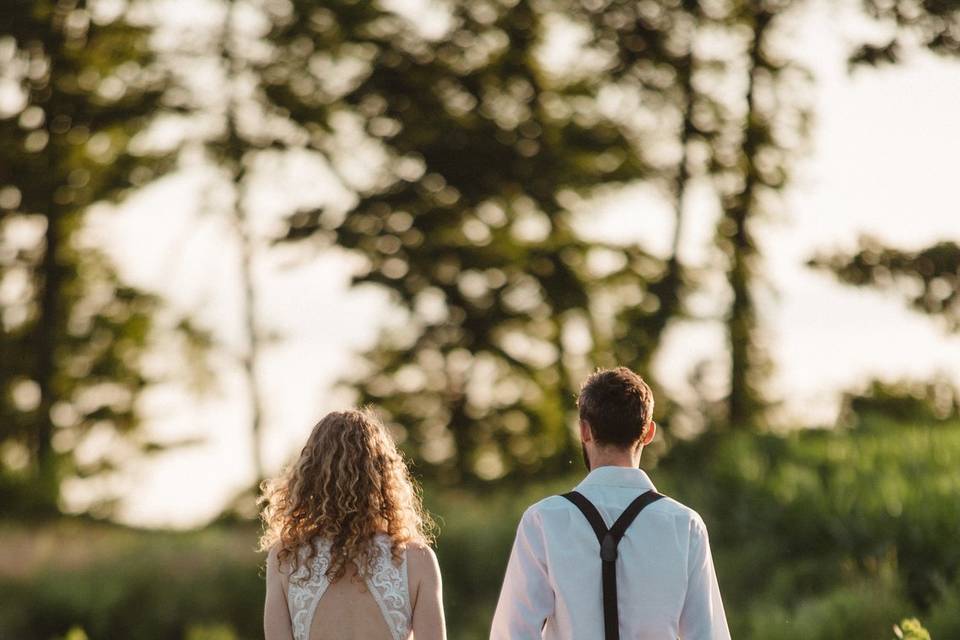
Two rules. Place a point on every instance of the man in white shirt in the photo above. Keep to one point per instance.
(664, 580)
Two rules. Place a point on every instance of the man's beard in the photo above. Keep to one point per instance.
(586, 457)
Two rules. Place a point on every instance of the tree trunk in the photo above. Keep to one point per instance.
(45, 346)
(744, 403)
(236, 150)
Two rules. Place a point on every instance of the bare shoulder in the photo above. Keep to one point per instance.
(273, 558)
(422, 563)
(277, 569)
(420, 554)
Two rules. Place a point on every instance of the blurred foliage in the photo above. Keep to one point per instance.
(911, 629)
(820, 535)
(83, 88)
(855, 611)
(471, 167)
(119, 583)
(822, 507)
(933, 24)
(491, 162)
(211, 632)
(895, 403)
(471, 225)
(928, 279)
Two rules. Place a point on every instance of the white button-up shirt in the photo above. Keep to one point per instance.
(666, 584)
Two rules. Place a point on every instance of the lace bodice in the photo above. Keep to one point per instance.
(387, 583)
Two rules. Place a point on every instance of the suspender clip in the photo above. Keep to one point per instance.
(608, 549)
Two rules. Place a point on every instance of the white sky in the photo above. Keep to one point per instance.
(883, 162)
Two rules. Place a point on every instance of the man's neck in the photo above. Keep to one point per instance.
(615, 458)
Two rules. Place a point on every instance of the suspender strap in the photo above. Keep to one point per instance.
(590, 512)
(609, 539)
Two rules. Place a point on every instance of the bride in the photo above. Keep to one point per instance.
(347, 541)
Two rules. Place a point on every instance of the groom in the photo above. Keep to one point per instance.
(577, 573)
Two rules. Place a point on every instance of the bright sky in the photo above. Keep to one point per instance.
(883, 162)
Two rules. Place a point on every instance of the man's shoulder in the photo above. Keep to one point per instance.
(666, 507)
(546, 505)
(680, 511)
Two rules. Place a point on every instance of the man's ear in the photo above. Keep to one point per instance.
(651, 431)
(586, 435)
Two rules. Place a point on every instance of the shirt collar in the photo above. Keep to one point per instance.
(627, 477)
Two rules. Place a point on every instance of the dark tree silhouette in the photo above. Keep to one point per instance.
(928, 279)
(72, 333)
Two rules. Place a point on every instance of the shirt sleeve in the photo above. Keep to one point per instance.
(526, 598)
(702, 616)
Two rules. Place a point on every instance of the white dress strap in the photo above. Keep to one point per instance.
(304, 594)
(387, 584)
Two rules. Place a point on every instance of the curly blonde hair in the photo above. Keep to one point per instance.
(349, 484)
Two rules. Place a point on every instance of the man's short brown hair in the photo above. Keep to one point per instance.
(618, 406)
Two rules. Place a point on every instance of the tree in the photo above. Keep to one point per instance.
(72, 333)
(470, 220)
(739, 115)
(743, 115)
(471, 224)
(750, 164)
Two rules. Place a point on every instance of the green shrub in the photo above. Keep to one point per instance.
(943, 618)
(859, 610)
(153, 586)
(801, 514)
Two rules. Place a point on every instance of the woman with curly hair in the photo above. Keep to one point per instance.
(348, 539)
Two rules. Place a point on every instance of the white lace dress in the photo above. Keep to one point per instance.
(388, 585)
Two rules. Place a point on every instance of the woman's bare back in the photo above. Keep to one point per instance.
(348, 611)
(389, 605)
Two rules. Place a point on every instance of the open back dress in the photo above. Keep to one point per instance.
(387, 583)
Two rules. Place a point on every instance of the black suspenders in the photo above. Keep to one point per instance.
(609, 539)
